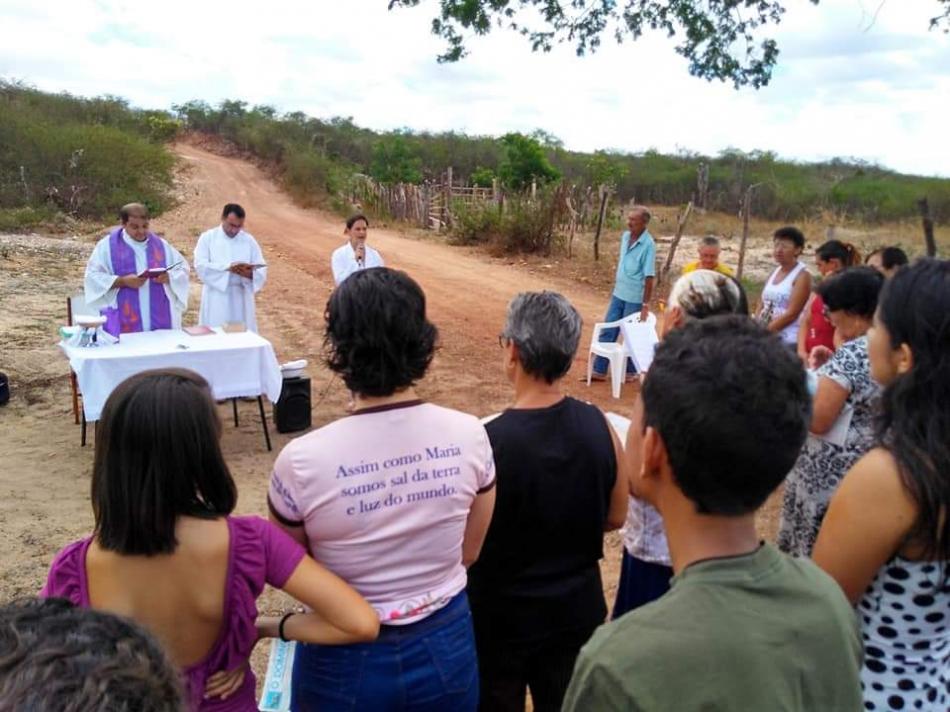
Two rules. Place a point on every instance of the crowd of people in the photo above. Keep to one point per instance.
(447, 563)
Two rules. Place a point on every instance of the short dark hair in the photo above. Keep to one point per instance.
(730, 402)
(353, 219)
(546, 330)
(378, 339)
(230, 208)
(130, 209)
(54, 656)
(790, 233)
(892, 257)
(158, 457)
(854, 290)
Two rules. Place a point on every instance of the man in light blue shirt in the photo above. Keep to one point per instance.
(636, 273)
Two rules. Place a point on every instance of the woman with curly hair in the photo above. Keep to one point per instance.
(395, 499)
(886, 538)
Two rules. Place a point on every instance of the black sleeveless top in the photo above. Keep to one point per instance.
(538, 569)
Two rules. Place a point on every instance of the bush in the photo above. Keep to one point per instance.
(528, 225)
(161, 127)
(85, 171)
(475, 223)
(18, 219)
(310, 177)
(82, 157)
(522, 226)
(482, 177)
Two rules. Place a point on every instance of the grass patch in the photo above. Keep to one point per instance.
(28, 218)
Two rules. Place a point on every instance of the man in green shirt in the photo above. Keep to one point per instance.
(722, 416)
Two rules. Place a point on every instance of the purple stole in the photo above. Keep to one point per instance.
(126, 317)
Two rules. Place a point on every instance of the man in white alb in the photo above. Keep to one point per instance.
(355, 254)
(230, 263)
(135, 279)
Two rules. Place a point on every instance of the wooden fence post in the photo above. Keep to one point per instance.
(928, 223)
(746, 209)
(426, 206)
(604, 192)
(680, 226)
(702, 185)
(446, 196)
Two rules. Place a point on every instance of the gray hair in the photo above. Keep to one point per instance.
(703, 293)
(546, 328)
(647, 215)
(709, 241)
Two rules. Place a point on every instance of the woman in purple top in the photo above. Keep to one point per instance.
(166, 552)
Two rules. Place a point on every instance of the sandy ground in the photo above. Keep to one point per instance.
(44, 474)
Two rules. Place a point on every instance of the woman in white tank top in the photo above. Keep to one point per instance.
(787, 288)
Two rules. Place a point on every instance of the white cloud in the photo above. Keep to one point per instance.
(844, 87)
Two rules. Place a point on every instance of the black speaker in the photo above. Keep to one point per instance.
(292, 409)
(4, 389)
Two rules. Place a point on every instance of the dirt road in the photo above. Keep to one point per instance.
(467, 292)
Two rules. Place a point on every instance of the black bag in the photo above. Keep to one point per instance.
(4, 389)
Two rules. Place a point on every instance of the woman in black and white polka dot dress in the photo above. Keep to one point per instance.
(886, 536)
(905, 625)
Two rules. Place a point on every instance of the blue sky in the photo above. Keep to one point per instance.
(848, 83)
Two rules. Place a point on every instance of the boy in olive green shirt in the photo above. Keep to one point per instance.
(722, 416)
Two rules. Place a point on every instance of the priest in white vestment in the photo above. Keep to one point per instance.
(136, 279)
(230, 263)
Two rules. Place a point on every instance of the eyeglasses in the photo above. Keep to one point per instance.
(503, 341)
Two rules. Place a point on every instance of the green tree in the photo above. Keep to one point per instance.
(394, 162)
(604, 167)
(524, 160)
(482, 177)
(717, 37)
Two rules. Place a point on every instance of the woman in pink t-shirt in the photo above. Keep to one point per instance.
(167, 553)
(395, 499)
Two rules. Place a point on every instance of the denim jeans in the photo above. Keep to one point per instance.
(617, 309)
(641, 582)
(429, 666)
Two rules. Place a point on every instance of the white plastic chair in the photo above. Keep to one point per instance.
(615, 352)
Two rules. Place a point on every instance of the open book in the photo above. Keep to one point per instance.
(155, 271)
(247, 264)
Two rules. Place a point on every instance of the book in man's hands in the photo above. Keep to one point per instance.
(247, 264)
(155, 271)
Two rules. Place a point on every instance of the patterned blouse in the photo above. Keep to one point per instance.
(822, 463)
